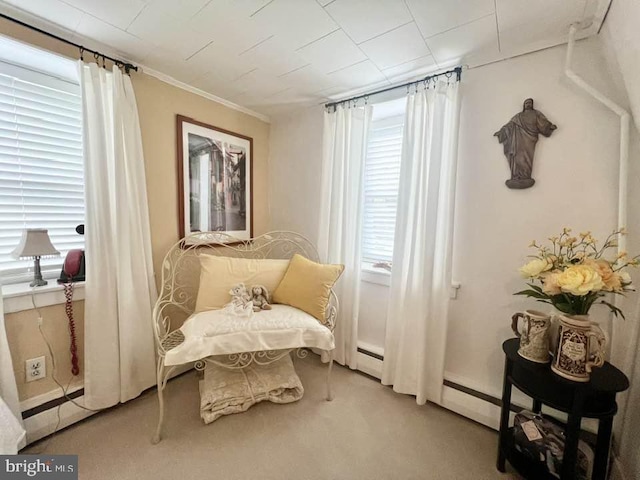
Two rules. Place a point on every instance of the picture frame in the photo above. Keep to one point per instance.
(215, 180)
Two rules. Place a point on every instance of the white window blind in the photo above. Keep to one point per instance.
(381, 181)
(41, 163)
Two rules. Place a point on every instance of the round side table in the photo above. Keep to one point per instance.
(593, 399)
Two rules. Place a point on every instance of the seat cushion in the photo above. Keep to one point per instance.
(217, 332)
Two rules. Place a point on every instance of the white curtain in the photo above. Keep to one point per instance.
(12, 434)
(421, 273)
(120, 289)
(344, 151)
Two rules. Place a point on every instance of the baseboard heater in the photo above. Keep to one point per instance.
(456, 386)
(370, 354)
(51, 404)
(482, 396)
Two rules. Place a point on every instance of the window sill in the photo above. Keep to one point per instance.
(378, 276)
(17, 297)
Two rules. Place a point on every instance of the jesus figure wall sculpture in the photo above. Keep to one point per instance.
(519, 138)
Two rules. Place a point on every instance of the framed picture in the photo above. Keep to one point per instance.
(214, 180)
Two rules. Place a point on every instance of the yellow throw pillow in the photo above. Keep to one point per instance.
(307, 285)
(219, 274)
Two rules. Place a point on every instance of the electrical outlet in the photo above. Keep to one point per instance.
(36, 369)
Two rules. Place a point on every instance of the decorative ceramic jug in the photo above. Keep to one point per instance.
(534, 336)
(581, 346)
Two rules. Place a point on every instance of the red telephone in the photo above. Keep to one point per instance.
(73, 267)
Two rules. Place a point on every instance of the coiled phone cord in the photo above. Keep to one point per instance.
(68, 293)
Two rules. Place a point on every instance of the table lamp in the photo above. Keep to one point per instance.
(35, 243)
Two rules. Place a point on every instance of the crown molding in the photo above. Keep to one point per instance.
(163, 77)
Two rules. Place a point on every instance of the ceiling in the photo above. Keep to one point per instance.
(275, 55)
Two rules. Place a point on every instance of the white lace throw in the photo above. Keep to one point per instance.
(224, 391)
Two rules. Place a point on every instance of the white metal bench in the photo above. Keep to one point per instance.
(180, 283)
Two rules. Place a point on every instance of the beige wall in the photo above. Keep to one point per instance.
(26, 342)
(158, 105)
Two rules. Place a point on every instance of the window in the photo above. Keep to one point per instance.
(41, 164)
(381, 182)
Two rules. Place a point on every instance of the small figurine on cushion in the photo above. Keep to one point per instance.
(260, 298)
(240, 303)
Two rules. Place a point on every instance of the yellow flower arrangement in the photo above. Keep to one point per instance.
(573, 272)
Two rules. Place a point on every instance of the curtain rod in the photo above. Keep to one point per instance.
(120, 63)
(448, 73)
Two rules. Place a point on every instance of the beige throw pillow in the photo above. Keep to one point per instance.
(307, 286)
(219, 274)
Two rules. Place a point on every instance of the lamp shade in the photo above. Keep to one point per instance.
(35, 242)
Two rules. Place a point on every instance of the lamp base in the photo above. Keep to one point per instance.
(37, 274)
(38, 282)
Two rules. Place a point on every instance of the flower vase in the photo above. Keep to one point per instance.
(581, 346)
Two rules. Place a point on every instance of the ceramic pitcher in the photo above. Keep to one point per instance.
(581, 346)
(534, 335)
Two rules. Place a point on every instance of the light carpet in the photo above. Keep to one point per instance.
(366, 432)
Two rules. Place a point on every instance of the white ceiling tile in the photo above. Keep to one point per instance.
(296, 22)
(54, 11)
(186, 46)
(243, 8)
(419, 66)
(178, 9)
(476, 37)
(213, 59)
(521, 22)
(364, 19)
(176, 35)
(308, 79)
(155, 26)
(130, 46)
(397, 46)
(331, 93)
(119, 13)
(360, 75)
(333, 52)
(236, 31)
(257, 84)
(273, 57)
(216, 86)
(436, 16)
(164, 61)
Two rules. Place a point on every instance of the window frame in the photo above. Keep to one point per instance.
(52, 266)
